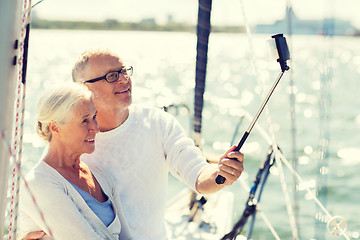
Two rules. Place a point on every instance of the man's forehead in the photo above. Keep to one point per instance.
(105, 63)
(106, 59)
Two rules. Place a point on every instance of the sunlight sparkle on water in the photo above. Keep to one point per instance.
(291, 89)
(304, 160)
(305, 98)
(349, 155)
(231, 89)
(251, 147)
(316, 85)
(356, 60)
(301, 97)
(308, 149)
(357, 119)
(246, 97)
(34, 139)
(324, 170)
(345, 56)
(310, 195)
(306, 185)
(220, 145)
(308, 113)
(225, 72)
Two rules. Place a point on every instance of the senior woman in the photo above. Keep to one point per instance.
(73, 200)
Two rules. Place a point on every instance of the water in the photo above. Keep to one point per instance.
(164, 73)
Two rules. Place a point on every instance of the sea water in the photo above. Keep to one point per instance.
(324, 77)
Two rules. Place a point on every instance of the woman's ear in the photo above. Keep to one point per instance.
(54, 127)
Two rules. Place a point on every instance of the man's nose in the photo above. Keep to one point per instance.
(123, 78)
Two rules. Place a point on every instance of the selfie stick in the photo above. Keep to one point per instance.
(284, 55)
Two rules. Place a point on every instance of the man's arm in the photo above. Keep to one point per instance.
(229, 168)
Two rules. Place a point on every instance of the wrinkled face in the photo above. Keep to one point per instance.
(107, 96)
(78, 133)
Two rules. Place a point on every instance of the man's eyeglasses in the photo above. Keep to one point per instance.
(113, 76)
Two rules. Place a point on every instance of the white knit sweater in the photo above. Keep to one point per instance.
(140, 154)
(66, 214)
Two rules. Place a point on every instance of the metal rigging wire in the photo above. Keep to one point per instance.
(324, 109)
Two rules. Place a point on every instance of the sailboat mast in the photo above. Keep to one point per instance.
(203, 32)
(10, 15)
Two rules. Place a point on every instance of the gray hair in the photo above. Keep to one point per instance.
(55, 105)
(84, 59)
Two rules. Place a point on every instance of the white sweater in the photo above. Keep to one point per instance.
(140, 154)
(66, 213)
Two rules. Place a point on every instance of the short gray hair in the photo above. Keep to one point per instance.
(55, 105)
(83, 60)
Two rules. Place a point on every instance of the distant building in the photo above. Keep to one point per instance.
(170, 18)
(327, 26)
(148, 21)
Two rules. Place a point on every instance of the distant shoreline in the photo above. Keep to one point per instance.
(126, 26)
(114, 25)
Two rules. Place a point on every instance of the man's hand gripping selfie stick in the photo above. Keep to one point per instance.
(283, 56)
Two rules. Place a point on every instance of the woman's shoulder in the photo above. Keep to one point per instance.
(41, 181)
(39, 173)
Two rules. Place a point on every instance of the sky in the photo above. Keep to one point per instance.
(224, 12)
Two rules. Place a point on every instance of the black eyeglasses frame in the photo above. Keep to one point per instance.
(127, 70)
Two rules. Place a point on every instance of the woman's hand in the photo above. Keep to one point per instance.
(34, 235)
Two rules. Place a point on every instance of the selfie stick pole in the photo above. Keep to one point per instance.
(283, 53)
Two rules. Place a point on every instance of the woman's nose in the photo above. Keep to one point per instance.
(94, 127)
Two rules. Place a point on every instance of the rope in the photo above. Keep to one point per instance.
(19, 120)
(292, 114)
